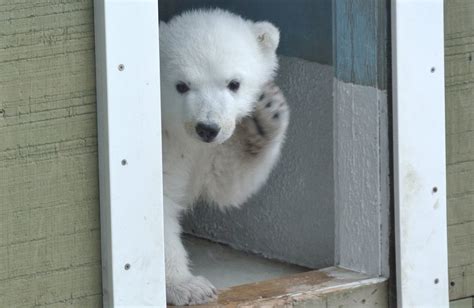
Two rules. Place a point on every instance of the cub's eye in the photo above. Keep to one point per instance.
(181, 87)
(234, 85)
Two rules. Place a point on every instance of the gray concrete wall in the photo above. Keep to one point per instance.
(362, 178)
(292, 217)
(362, 121)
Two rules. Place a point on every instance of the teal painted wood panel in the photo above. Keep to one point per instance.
(361, 41)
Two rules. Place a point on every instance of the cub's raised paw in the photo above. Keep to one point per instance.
(267, 124)
(195, 290)
(271, 112)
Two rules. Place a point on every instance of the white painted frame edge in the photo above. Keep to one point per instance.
(129, 140)
(419, 162)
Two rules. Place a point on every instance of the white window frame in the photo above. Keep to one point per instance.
(420, 163)
(129, 128)
(129, 137)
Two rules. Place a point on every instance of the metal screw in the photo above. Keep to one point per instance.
(433, 69)
(436, 281)
(127, 266)
(435, 189)
(124, 162)
(121, 67)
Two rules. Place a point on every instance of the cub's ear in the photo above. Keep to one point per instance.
(267, 35)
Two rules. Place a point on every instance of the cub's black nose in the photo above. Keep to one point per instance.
(207, 131)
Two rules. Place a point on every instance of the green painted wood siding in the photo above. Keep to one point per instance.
(49, 209)
(459, 50)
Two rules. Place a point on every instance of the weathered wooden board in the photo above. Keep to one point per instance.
(459, 54)
(49, 211)
(330, 287)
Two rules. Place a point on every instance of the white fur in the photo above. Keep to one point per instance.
(207, 49)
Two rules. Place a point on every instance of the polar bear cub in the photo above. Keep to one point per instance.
(224, 122)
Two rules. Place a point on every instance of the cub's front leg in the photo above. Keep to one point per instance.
(244, 162)
(182, 287)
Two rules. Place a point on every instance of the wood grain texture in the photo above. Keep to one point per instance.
(459, 67)
(361, 38)
(49, 210)
(330, 287)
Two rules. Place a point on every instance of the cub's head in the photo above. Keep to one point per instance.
(213, 65)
